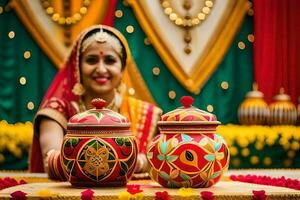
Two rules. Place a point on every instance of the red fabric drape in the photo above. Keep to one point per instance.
(277, 47)
(110, 15)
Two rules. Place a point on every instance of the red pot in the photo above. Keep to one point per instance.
(99, 149)
(188, 152)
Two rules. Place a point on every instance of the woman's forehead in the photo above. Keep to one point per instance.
(97, 46)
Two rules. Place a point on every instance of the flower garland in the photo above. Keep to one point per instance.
(267, 180)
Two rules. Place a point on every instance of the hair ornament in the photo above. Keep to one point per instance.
(102, 37)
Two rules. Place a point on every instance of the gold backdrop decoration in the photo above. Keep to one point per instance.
(225, 19)
(48, 27)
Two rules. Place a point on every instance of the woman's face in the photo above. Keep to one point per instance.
(101, 69)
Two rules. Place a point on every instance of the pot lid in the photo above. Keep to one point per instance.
(282, 96)
(255, 93)
(99, 116)
(188, 113)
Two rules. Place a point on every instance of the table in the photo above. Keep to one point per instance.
(225, 189)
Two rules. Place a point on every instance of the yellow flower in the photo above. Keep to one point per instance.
(46, 193)
(186, 192)
(127, 196)
(124, 195)
(15, 138)
(245, 135)
(137, 196)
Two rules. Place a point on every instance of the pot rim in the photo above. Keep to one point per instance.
(185, 123)
(81, 125)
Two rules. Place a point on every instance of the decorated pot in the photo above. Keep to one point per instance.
(254, 110)
(99, 149)
(282, 110)
(188, 152)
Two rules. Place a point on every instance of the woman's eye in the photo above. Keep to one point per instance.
(92, 60)
(109, 60)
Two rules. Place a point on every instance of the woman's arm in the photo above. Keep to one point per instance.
(51, 138)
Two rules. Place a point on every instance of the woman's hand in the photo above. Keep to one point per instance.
(142, 163)
(51, 138)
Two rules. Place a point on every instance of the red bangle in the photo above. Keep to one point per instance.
(55, 170)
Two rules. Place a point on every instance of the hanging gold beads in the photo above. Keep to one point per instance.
(253, 110)
(187, 22)
(282, 110)
(60, 18)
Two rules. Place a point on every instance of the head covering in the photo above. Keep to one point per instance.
(68, 78)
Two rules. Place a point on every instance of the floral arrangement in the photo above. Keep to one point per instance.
(262, 135)
(253, 146)
(15, 138)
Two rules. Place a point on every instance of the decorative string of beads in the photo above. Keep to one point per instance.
(186, 21)
(65, 20)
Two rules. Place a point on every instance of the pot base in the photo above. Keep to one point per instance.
(93, 184)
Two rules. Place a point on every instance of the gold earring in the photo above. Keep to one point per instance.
(121, 88)
(78, 89)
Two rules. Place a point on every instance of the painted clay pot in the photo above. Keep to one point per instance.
(99, 149)
(188, 152)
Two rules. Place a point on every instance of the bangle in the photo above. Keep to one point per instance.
(55, 170)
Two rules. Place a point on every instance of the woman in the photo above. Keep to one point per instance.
(94, 69)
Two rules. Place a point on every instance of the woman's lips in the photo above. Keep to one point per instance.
(101, 80)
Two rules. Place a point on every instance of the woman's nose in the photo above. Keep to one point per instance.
(101, 68)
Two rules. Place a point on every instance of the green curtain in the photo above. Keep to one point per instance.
(236, 68)
(37, 70)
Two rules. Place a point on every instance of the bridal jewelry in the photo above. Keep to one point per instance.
(78, 89)
(103, 37)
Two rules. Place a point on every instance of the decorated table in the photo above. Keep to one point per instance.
(36, 186)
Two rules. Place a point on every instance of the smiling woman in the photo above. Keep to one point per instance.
(94, 69)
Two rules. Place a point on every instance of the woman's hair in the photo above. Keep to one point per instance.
(123, 55)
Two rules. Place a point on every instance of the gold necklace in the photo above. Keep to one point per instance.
(187, 22)
(60, 18)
